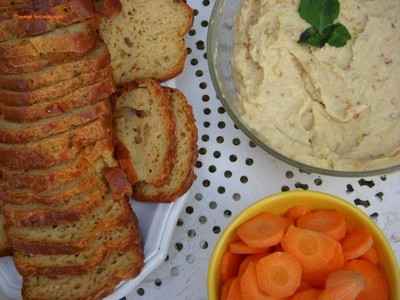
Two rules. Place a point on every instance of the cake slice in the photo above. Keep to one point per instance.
(77, 39)
(145, 132)
(17, 133)
(30, 22)
(59, 89)
(53, 150)
(147, 39)
(93, 285)
(182, 175)
(95, 60)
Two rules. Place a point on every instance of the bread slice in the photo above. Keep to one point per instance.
(17, 133)
(88, 95)
(108, 8)
(146, 40)
(93, 285)
(5, 249)
(78, 38)
(30, 22)
(93, 158)
(145, 133)
(95, 60)
(54, 91)
(53, 150)
(113, 238)
(72, 237)
(182, 175)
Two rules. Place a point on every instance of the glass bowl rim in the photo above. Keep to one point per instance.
(211, 57)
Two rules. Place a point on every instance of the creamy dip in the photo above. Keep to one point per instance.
(335, 108)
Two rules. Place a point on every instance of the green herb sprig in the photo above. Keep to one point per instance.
(321, 15)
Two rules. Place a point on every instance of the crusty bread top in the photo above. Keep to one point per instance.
(145, 132)
(146, 40)
(182, 174)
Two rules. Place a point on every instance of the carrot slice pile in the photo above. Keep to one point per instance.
(242, 248)
(302, 255)
(310, 294)
(356, 244)
(296, 212)
(249, 286)
(263, 231)
(279, 274)
(229, 266)
(377, 287)
(343, 285)
(329, 222)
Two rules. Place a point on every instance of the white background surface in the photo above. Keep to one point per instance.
(211, 208)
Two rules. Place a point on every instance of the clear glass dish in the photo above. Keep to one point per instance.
(220, 48)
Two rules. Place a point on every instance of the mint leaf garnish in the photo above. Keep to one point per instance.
(321, 15)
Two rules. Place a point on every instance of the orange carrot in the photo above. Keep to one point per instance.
(263, 231)
(310, 294)
(296, 212)
(250, 258)
(242, 248)
(343, 285)
(318, 278)
(225, 289)
(234, 292)
(229, 266)
(356, 244)
(329, 222)
(279, 274)
(249, 286)
(372, 256)
(314, 250)
(376, 284)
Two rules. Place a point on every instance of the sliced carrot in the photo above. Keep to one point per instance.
(377, 287)
(279, 274)
(296, 212)
(310, 294)
(356, 244)
(372, 256)
(250, 258)
(318, 278)
(329, 222)
(242, 248)
(229, 266)
(225, 289)
(314, 250)
(234, 292)
(343, 285)
(263, 231)
(249, 286)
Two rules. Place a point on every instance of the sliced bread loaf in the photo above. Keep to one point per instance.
(30, 22)
(95, 60)
(146, 40)
(56, 90)
(53, 150)
(94, 157)
(72, 237)
(145, 133)
(111, 239)
(17, 133)
(93, 285)
(78, 38)
(182, 175)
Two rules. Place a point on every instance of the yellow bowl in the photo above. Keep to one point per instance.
(280, 203)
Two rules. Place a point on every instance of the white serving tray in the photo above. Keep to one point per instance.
(157, 223)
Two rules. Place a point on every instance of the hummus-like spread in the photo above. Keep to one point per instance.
(335, 108)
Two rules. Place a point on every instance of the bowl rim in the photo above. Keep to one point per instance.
(359, 214)
(212, 60)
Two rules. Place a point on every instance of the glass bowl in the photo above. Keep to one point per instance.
(220, 48)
